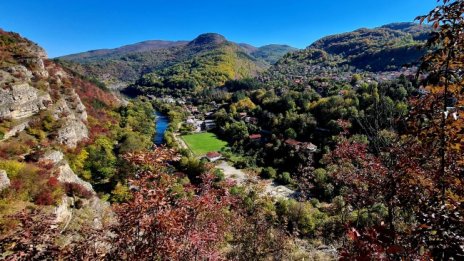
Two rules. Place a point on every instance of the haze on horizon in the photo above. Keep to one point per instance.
(88, 25)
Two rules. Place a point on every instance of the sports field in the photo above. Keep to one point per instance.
(202, 143)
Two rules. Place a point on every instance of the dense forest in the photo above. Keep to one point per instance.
(363, 129)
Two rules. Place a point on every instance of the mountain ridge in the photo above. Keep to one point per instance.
(122, 66)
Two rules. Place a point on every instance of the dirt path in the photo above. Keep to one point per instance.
(180, 141)
(270, 188)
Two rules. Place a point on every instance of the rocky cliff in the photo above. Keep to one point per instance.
(43, 115)
(28, 87)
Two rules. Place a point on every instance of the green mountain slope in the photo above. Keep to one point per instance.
(209, 55)
(273, 52)
(373, 51)
(105, 54)
(208, 61)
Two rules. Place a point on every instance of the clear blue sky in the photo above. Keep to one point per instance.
(64, 27)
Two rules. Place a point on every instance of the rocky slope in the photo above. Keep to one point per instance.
(44, 112)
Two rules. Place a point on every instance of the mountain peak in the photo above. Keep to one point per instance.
(207, 39)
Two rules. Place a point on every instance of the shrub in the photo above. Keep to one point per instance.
(11, 167)
(285, 178)
(37, 133)
(219, 175)
(53, 182)
(302, 215)
(269, 173)
(121, 193)
(44, 198)
(12, 149)
(77, 190)
(241, 163)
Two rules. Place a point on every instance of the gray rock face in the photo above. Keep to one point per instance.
(4, 180)
(16, 129)
(71, 109)
(62, 211)
(22, 101)
(53, 156)
(72, 132)
(67, 175)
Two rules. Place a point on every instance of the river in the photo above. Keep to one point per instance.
(162, 123)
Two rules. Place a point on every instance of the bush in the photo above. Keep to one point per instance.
(12, 149)
(269, 173)
(44, 198)
(121, 193)
(304, 217)
(285, 178)
(219, 175)
(77, 190)
(11, 167)
(241, 163)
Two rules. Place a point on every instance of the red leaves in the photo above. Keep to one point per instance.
(30, 238)
(45, 197)
(354, 168)
(163, 226)
(77, 190)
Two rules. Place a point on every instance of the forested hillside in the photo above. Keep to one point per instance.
(350, 149)
(379, 53)
(218, 60)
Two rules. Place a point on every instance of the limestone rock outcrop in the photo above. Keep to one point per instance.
(4, 180)
(64, 171)
(22, 101)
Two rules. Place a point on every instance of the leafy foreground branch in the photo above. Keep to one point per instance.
(163, 220)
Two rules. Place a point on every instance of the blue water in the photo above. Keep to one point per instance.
(162, 122)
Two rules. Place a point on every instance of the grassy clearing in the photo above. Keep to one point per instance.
(202, 143)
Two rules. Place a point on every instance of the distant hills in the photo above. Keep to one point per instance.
(384, 49)
(210, 59)
(270, 53)
(103, 54)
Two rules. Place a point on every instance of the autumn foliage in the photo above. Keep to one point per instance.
(159, 224)
(419, 176)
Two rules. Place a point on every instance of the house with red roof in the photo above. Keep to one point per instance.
(213, 156)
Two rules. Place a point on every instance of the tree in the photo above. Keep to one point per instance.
(424, 166)
(101, 161)
(157, 224)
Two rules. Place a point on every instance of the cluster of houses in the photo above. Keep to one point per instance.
(203, 121)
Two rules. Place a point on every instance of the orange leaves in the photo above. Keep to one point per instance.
(158, 156)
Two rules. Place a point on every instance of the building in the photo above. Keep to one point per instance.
(251, 120)
(213, 156)
(298, 145)
(208, 125)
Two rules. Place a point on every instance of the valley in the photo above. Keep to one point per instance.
(212, 149)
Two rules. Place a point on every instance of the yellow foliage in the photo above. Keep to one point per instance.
(12, 167)
(121, 193)
(245, 104)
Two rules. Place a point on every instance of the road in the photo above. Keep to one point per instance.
(270, 188)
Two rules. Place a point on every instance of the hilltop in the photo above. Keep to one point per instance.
(389, 48)
(124, 65)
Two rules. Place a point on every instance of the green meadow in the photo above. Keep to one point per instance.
(202, 143)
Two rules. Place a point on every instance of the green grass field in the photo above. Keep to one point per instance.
(202, 143)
